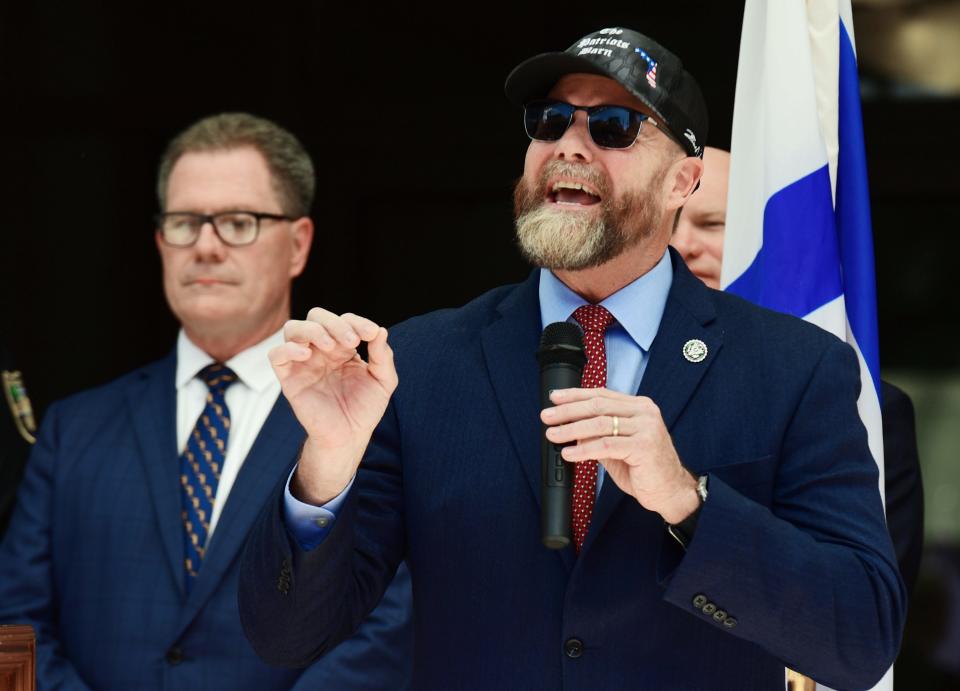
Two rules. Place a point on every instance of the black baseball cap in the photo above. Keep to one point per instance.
(641, 65)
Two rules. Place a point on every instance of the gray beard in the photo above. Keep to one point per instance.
(552, 238)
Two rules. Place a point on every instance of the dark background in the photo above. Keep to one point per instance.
(416, 150)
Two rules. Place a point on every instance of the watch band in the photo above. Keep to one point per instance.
(702, 488)
(683, 531)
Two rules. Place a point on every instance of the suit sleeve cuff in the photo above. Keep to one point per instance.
(309, 525)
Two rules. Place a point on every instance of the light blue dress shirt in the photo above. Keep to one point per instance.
(637, 309)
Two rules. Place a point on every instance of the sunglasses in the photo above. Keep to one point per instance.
(610, 127)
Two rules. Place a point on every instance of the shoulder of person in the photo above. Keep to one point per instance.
(782, 334)
(453, 324)
(105, 399)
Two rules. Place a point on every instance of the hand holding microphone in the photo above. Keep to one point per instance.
(625, 433)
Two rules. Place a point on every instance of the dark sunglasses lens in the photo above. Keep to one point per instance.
(613, 127)
(546, 121)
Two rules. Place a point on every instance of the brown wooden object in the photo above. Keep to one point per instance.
(17, 658)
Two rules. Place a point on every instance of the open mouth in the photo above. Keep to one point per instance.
(570, 193)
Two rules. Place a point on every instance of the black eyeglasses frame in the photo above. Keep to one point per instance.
(203, 219)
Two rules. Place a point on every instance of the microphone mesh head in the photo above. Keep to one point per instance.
(561, 342)
(561, 333)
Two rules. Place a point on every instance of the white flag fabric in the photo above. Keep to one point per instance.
(799, 237)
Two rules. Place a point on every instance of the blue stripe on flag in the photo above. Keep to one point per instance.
(797, 269)
(853, 214)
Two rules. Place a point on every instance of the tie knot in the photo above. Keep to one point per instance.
(217, 377)
(593, 317)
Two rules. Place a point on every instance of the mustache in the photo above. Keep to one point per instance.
(580, 171)
(528, 197)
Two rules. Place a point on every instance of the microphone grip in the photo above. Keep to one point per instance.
(556, 475)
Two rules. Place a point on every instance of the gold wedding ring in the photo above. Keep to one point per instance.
(616, 426)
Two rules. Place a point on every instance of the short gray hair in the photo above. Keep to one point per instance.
(291, 170)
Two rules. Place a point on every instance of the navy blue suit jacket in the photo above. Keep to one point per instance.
(93, 558)
(902, 481)
(791, 563)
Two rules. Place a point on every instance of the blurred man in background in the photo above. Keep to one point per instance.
(123, 552)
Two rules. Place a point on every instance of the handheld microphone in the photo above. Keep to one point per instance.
(561, 359)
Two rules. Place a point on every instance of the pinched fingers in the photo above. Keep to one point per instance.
(380, 360)
(364, 328)
(311, 333)
(287, 353)
(324, 329)
(328, 332)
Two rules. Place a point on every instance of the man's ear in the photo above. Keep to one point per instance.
(685, 174)
(301, 237)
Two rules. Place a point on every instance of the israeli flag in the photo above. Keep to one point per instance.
(798, 234)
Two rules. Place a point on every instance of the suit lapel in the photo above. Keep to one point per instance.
(269, 461)
(510, 347)
(152, 403)
(670, 380)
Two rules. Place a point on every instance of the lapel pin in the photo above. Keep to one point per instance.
(695, 350)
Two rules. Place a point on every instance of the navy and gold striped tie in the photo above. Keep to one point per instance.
(201, 464)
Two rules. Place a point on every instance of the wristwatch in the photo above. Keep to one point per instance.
(682, 532)
(702, 488)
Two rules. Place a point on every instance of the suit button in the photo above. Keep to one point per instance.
(719, 616)
(729, 622)
(709, 608)
(699, 601)
(174, 656)
(573, 648)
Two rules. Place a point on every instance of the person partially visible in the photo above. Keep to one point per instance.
(698, 238)
(17, 428)
(124, 549)
(698, 235)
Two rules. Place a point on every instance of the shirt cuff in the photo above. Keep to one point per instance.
(308, 524)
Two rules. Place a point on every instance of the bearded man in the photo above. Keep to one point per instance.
(726, 520)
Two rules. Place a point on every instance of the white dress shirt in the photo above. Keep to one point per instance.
(249, 400)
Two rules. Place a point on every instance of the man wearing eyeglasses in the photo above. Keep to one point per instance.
(124, 550)
(725, 516)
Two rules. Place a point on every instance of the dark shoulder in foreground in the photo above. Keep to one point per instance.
(107, 401)
(463, 321)
(743, 323)
(747, 325)
(118, 386)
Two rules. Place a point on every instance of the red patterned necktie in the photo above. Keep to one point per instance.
(594, 319)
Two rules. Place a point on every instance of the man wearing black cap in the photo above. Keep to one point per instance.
(733, 524)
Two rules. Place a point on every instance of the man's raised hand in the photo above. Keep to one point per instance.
(336, 396)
